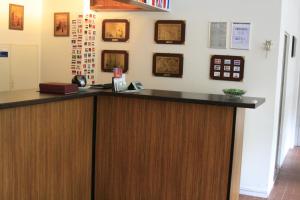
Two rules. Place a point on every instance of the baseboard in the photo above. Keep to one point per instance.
(254, 192)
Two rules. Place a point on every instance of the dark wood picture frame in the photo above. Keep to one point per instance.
(125, 33)
(59, 26)
(159, 72)
(104, 53)
(16, 17)
(170, 36)
(294, 47)
(219, 66)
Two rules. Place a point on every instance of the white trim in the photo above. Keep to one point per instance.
(253, 192)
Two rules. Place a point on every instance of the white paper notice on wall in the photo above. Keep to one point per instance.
(218, 35)
(240, 35)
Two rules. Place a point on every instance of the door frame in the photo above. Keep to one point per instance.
(285, 62)
(297, 134)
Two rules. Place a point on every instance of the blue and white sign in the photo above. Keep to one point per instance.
(3, 54)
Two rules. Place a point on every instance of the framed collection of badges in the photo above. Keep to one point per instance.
(228, 68)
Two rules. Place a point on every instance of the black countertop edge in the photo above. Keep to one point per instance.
(189, 97)
(35, 97)
(32, 97)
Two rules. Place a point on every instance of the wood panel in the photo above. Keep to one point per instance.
(111, 4)
(123, 5)
(148, 149)
(46, 151)
(238, 151)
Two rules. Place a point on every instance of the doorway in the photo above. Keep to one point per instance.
(297, 137)
(282, 102)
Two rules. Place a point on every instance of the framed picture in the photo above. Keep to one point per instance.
(114, 58)
(169, 32)
(16, 17)
(168, 65)
(115, 30)
(294, 46)
(218, 35)
(61, 24)
(240, 35)
(227, 68)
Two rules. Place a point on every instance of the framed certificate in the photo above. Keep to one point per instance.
(240, 36)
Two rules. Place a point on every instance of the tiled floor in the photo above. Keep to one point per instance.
(287, 186)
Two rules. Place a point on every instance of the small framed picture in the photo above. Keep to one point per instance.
(168, 65)
(115, 30)
(170, 32)
(61, 24)
(114, 58)
(16, 17)
(217, 74)
(218, 61)
(227, 68)
(237, 62)
(227, 62)
(236, 68)
(236, 75)
(217, 67)
(227, 74)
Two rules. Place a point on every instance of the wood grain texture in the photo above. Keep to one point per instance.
(45, 151)
(149, 149)
(238, 151)
(111, 4)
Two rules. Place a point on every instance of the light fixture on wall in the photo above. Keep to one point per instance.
(267, 46)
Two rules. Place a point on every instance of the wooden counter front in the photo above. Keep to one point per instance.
(46, 151)
(160, 150)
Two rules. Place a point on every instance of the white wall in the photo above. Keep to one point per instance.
(290, 23)
(260, 72)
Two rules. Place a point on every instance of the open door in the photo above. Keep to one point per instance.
(282, 102)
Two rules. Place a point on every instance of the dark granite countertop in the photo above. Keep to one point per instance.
(31, 97)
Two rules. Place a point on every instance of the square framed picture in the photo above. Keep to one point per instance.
(170, 32)
(16, 17)
(61, 24)
(217, 67)
(115, 30)
(114, 58)
(168, 65)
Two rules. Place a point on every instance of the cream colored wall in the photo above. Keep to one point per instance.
(23, 46)
(32, 23)
(260, 71)
(56, 51)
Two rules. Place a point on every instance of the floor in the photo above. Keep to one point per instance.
(287, 186)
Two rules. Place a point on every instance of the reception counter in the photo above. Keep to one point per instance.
(96, 144)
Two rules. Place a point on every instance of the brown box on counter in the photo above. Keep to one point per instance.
(58, 88)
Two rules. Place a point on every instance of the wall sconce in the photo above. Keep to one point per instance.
(267, 46)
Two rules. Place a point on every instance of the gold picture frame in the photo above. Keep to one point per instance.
(16, 17)
(170, 32)
(114, 58)
(115, 30)
(168, 65)
(62, 24)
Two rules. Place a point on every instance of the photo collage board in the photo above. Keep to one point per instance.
(83, 46)
(229, 68)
